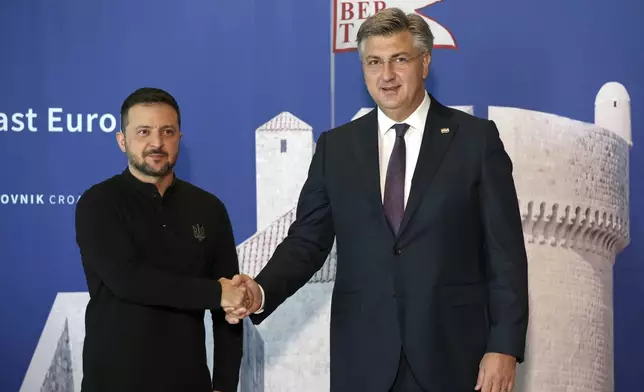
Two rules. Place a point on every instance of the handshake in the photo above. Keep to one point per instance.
(241, 296)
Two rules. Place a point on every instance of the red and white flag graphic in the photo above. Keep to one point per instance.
(348, 15)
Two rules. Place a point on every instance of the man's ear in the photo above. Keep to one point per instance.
(120, 139)
(427, 60)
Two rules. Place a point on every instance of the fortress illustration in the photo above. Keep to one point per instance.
(572, 180)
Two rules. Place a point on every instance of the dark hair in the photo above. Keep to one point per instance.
(147, 95)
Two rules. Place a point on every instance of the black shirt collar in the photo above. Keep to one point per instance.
(146, 187)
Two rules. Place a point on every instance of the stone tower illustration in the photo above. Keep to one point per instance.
(572, 181)
(283, 152)
(613, 110)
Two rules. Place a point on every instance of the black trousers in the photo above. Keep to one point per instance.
(405, 380)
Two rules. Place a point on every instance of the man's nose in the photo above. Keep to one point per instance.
(157, 139)
(388, 71)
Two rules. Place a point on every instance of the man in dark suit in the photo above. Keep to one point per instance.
(431, 286)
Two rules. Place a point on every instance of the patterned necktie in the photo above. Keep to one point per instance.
(394, 201)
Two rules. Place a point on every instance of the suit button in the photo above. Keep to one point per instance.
(398, 251)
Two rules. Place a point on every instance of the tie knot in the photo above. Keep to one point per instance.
(400, 129)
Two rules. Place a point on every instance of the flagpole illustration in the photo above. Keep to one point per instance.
(332, 64)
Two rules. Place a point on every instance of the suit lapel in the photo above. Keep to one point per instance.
(368, 159)
(438, 134)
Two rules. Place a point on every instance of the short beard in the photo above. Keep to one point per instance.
(144, 168)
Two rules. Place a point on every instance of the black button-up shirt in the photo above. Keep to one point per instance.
(152, 265)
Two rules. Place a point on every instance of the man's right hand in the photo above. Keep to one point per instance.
(234, 294)
(253, 296)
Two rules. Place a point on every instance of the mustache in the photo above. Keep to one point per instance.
(155, 151)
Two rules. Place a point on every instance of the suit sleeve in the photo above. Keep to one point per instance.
(228, 338)
(507, 265)
(308, 243)
(108, 251)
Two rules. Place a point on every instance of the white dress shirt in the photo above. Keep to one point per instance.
(386, 139)
(413, 139)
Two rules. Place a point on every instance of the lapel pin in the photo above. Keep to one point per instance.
(444, 130)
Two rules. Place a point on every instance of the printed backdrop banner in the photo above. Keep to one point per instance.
(562, 80)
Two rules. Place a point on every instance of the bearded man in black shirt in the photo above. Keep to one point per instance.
(157, 252)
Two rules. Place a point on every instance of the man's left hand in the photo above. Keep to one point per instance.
(496, 373)
(254, 297)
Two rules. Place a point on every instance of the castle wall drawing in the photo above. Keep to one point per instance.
(573, 183)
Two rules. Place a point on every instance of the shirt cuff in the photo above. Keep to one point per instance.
(261, 308)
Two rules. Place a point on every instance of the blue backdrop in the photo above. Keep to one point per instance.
(233, 66)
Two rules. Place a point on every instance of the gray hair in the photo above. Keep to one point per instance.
(390, 21)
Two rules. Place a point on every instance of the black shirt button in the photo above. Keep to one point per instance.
(398, 251)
